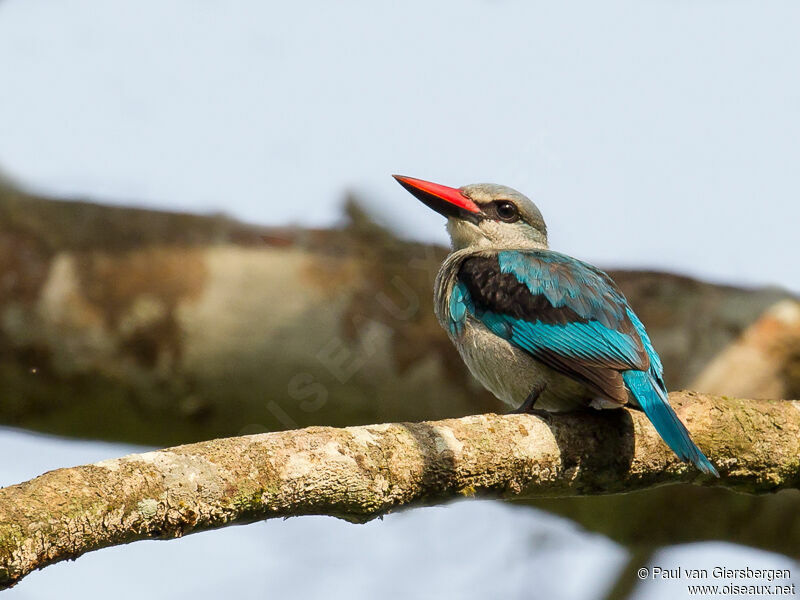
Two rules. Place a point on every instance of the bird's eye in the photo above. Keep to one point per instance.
(506, 211)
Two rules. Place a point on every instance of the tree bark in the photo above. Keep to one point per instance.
(359, 473)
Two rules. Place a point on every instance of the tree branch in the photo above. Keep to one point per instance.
(359, 473)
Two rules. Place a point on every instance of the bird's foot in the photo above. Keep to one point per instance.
(528, 406)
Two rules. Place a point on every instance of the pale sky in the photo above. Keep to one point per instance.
(651, 134)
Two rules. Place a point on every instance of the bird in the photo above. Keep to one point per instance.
(541, 330)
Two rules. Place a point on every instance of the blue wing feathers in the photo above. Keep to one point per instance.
(591, 341)
(655, 361)
(584, 329)
(498, 325)
(460, 302)
(566, 281)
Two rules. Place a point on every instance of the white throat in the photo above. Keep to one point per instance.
(495, 236)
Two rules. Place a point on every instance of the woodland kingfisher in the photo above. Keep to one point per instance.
(539, 329)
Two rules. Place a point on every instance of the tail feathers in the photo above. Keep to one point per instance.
(654, 403)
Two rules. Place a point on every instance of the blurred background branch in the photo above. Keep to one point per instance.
(153, 327)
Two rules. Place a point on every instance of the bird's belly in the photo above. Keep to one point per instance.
(510, 373)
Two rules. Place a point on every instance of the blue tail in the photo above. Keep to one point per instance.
(653, 400)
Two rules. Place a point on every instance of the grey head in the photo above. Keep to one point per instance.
(509, 219)
(483, 215)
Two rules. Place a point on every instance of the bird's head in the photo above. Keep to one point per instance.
(483, 215)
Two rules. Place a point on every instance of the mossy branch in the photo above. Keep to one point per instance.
(359, 473)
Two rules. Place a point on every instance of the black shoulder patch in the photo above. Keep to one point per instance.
(493, 290)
